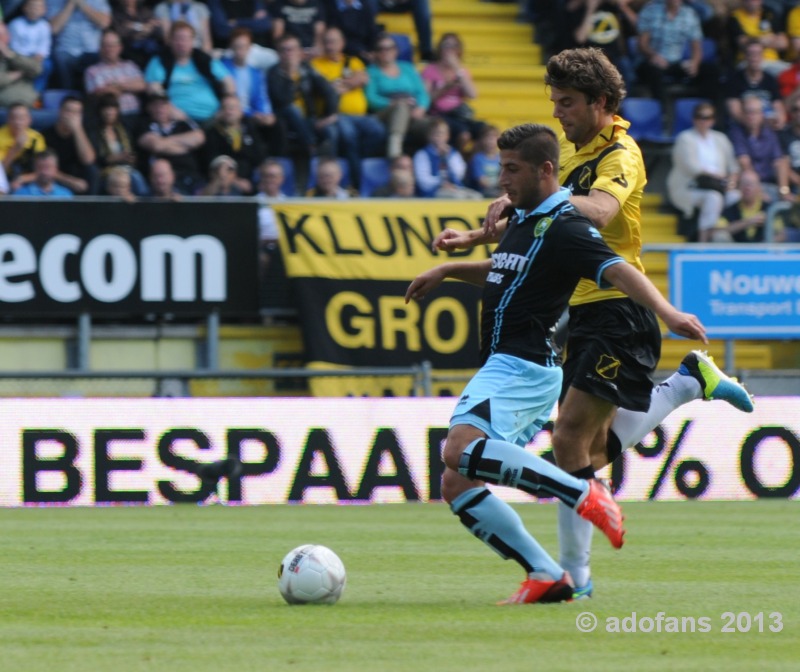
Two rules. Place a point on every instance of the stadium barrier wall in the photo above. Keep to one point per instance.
(88, 452)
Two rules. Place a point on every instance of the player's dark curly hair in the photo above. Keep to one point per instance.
(588, 71)
(536, 143)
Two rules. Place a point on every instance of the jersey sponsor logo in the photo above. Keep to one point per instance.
(541, 226)
(495, 278)
(607, 367)
(620, 180)
(507, 260)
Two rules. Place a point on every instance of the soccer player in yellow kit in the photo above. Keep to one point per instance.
(613, 344)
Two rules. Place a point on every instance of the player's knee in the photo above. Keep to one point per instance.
(563, 440)
(453, 449)
(458, 438)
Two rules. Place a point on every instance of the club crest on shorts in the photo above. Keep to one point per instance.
(541, 226)
(607, 367)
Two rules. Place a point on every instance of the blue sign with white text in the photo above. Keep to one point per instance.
(739, 295)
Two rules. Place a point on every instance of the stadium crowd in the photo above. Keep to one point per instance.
(174, 99)
(737, 64)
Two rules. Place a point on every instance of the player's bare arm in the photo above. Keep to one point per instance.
(636, 285)
(452, 239)
(599, 206)
(472, 272)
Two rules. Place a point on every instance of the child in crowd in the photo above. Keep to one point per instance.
(484, 166)
(439, 169)
(30, 35)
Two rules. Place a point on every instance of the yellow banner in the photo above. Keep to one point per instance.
(372, 239)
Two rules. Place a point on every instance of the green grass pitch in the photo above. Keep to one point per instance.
(190, 589)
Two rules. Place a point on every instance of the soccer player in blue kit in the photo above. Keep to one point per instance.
(547, 248)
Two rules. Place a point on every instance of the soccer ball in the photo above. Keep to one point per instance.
(311, 574)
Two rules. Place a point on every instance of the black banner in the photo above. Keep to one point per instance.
(110, 258)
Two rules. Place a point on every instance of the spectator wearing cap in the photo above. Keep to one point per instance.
(222, 179)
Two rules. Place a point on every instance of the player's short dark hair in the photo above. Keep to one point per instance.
(536, 143)
(588, 71)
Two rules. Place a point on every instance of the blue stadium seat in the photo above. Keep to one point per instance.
(646, 116)
(312, 172)
(289, 184)
(374, 174)
(405, 50)
(40, 119)
(51, 98)
(684, 109)
(709, 50)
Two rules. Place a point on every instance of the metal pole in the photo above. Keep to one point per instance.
(730, 358)
(84, 341)
(212, 340)
(427, 378)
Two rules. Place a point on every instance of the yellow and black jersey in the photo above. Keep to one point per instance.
(611, 162)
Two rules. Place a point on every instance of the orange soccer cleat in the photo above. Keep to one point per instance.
(599, 508)
(543, 590)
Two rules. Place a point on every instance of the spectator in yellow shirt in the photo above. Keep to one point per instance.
(19, 142)
(358, 134)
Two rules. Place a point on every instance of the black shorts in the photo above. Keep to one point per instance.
(613, 348)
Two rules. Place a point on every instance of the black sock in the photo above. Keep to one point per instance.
(586, 473)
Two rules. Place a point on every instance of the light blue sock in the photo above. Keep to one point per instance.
(497, 525)
(503, 463)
